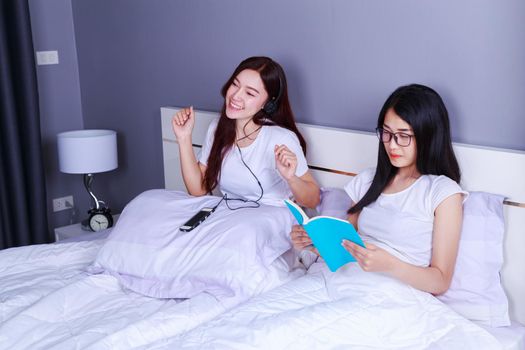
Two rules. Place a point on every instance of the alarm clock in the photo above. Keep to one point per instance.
(100, 219)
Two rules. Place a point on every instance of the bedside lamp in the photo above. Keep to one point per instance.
(88, 152)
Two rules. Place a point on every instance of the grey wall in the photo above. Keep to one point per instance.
(60, 105)
(342, 59)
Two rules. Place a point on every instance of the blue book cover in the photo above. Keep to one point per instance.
(327, 234)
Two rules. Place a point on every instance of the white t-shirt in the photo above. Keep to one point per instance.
(236, 180)
(402, 222)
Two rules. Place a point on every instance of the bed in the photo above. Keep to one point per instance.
(332, 161)
(49, 301)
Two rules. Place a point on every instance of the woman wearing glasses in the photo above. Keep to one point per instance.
(408, 209)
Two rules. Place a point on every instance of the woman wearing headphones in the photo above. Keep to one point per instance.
(255, 154)
(254, 151)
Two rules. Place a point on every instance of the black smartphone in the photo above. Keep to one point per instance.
(196, 219)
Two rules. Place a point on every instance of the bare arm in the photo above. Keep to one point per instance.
(447, 228)
(435, 278)
(192, 171)
(305, 190)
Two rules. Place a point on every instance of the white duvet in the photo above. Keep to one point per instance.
(47, 301)
(348, 310)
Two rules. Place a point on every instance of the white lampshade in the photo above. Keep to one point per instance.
(87, 151)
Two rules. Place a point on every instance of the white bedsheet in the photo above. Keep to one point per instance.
(511, 337)
(349, 310)
(48, 301)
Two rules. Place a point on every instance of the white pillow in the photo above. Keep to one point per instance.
(476, 291)
(229, 254)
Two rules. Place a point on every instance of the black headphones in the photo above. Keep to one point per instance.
(270, 107)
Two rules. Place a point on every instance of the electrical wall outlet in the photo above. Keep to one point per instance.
(62, 203)
(46, 57)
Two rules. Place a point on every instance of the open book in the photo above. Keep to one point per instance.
(327, 234)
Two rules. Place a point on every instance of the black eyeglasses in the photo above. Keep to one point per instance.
(401, 138)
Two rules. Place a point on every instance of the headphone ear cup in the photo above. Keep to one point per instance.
(270, 107)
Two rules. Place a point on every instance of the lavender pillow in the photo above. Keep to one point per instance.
(476, 291)
(334, 202)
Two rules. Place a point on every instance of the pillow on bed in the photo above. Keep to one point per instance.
(334, 202)
(229, 254)
(476, 291)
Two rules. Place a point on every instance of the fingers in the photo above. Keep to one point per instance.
(284, 155)
(300, 238)
(298, 228)
(282, 149)
(358, 252)
(352, 247)
(181, 117)
(365, 256)
(287, 160)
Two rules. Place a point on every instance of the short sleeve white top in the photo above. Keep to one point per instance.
(402, 223)
(236, 180)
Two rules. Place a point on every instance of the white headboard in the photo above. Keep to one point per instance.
(335, 154)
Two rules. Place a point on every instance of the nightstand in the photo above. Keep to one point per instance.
(75, 230)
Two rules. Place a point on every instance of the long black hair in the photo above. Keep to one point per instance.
(423, 109)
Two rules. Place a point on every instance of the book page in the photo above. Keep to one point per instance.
(297, 212)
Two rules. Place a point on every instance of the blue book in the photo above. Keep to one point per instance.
(327, 234)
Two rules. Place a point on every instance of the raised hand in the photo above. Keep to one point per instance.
(286, 161)
(183, 122)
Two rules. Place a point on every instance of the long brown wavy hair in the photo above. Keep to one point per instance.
(275, 84)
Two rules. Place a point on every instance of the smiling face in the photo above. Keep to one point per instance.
(245, 96)
(400, 157)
